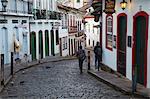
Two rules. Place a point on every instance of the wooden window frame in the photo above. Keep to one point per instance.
(109, 16)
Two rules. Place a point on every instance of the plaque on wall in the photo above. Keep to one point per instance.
(109, 6)
(114, 42)
(129, 41)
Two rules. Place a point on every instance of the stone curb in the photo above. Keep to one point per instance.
(115, 86)
(32, 65)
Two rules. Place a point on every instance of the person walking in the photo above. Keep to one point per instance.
(81, 57)
(98, 55)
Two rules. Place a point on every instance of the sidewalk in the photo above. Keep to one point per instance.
(26, 65)
(122, 84)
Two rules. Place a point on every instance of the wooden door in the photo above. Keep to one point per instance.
(139, 55)
(33, 45)
(52, 43)
(121, 44)
(46, 43)
(40, 44)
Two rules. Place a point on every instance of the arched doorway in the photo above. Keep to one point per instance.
(139, 54)
(4, 39)
(57, 37)
(52, 43)
(46, 43)
(40, 44)
(121, 43)
(33, 45)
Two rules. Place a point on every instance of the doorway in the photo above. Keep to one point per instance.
(46, 43)
(52, 43)
(121, 43)
(33, 45)
(5, 45)
(40, 44)
(139, 55)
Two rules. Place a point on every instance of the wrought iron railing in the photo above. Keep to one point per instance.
(44, 14)
(17, 11)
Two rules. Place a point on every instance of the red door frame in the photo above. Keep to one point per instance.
(119, 15)
(141, 13)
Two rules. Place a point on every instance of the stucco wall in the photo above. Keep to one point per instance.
(11, 34)
(109, 57)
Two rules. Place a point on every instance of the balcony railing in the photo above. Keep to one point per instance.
(72, 29)
(18, 11)
(44, 14)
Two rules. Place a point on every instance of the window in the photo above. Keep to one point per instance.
(109, 32)
(64, 43)
(78, 1)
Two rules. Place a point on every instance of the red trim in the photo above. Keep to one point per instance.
(141, 13)
(106, 31)
(117, 39)
(88, 17)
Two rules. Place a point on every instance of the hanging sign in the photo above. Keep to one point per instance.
(109, 6)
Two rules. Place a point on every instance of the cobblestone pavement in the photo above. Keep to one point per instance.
(58, 80)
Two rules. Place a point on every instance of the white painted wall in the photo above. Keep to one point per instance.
(10, 28)
(91, 32)
(109, 57)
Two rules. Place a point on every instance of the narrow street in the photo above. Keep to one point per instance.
(58, 80)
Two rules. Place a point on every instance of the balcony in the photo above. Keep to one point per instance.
(24, 11)
(54, 15)
(44, 14)
(72, 29)
(13, 12)
(40, 14)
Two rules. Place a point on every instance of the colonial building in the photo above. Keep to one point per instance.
(64, 49)
(14, 25)
(45, 29)
(75, 30)
(92, 28)
(125, 37)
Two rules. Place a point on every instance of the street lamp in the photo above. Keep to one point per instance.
(123, 4)
(4, 4)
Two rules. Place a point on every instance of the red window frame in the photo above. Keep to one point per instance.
(108, 47)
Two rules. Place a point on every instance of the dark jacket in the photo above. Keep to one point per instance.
(81, 54)
(98, 52)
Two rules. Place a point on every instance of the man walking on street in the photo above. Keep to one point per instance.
(98, 55)
(81, 57)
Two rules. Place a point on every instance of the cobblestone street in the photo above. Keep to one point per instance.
(58, 80)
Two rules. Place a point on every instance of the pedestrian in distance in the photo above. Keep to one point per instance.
(81, 57)
(98, 55)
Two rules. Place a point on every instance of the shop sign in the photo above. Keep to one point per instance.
(109, 6)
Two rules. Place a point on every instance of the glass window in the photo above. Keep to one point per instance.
(109, 32)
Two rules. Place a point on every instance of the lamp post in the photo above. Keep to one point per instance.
(123, 4)
(4, 4)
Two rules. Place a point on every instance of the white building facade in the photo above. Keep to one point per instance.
(126, 39)
(64, 48)
(45, 29)
(91, 29)
(14, 25)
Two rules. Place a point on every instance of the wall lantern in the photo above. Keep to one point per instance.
(4, 4)
(123, 4)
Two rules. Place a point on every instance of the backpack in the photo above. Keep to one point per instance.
(81, 55)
